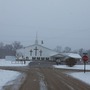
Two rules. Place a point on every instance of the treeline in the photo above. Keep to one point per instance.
(9, 49)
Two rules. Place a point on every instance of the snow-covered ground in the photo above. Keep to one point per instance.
(80, 67)
(85, 77)
(6, 76)
(4, 62)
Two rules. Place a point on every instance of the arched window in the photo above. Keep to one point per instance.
(40, 52)
(31, 52)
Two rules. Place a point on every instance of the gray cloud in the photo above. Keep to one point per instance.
(58, 22)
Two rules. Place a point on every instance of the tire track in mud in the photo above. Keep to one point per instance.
(57, 80)
(53, 82)
(75, 83)
(42, 83)
(39, 78)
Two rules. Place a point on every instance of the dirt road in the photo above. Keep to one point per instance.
(42, 76)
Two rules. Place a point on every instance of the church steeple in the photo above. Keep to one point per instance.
(36, 41)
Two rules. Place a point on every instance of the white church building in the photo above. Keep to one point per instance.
(35, 52)
(39, 52)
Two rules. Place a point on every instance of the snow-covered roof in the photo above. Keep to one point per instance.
(57, 55)
(73, 55)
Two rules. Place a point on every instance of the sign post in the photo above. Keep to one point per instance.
(84, 66)
(85, 59)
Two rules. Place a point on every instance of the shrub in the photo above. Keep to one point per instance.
(71, 62)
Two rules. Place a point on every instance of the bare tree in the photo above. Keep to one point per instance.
(1, 45)
(81, 51)
(58, 49)
(67, 49)
(9, 49)
(88, 54)
(17, 45)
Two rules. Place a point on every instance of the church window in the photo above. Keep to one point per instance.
(31, 52)
(42, 58)
(40, 52)
(38, 58)
(47, 58)
(33, 58)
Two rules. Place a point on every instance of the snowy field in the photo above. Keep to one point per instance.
(79, 67)
(4, 62)
(85, 77)
(7, 76)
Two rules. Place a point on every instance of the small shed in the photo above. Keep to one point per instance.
(10, 58)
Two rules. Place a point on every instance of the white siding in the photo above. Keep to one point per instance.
(45, 51)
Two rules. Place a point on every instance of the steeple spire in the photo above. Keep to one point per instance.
(36, 41)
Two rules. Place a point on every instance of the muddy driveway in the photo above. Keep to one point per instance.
(42, 76)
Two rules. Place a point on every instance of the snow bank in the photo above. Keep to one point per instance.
(4, 62)
(80, 67)
(6, 76)
(85, 77)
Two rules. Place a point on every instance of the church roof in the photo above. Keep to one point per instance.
(39, 46)
(73, 55)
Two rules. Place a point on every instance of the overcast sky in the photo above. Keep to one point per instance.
(58, 22)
